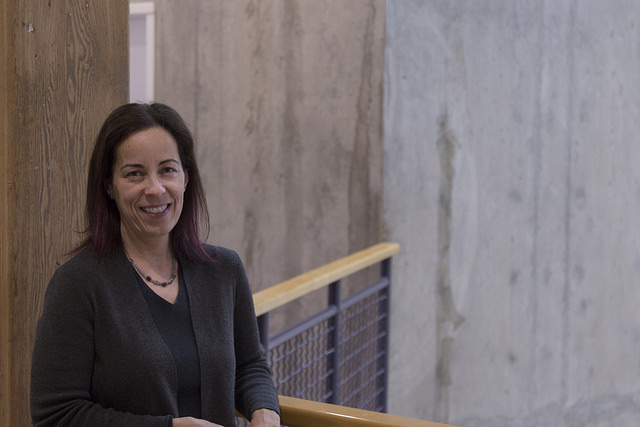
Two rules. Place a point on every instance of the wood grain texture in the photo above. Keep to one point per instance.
(7, 192)
(69, 68)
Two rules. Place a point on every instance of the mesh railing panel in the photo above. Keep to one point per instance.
(300, 365)
(363, 353)
(303, 365)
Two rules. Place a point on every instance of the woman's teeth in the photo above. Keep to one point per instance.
(155, 210)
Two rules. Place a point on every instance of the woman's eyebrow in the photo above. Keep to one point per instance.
(138, 165)
(131, 165)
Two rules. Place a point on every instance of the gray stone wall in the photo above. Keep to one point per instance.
(511, 180)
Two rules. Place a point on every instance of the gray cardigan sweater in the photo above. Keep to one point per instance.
(99, 359)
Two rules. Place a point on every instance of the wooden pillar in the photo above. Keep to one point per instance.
(63, 67)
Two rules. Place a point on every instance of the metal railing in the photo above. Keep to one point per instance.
(340, 354)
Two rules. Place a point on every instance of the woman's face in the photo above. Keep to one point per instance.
(148, 184)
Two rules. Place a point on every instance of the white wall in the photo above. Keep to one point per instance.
(141, 51)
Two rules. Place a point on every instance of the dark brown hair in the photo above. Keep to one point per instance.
(101, 213)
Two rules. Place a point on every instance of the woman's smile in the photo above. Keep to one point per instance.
(156, 209)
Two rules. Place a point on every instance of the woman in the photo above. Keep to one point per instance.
(145, 325)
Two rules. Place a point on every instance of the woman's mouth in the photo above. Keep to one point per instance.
(155, 209)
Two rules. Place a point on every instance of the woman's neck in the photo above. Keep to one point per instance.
(155, 252)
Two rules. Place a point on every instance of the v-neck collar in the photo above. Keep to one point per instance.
(149, 293)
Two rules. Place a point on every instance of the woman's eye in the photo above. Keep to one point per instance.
(133, 174)
(169, 170)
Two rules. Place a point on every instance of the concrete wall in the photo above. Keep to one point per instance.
(511, 180)
(285, 100)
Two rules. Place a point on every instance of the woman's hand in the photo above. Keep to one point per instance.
(264, 418)
(192, 422)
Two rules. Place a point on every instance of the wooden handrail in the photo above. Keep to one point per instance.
(289, 290)
(306, 413)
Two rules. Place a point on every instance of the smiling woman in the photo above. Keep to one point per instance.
(102, 214)
(148, 186)
(146, 325)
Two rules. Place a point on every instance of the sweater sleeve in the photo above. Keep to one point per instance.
(63, 360)
(254, 384)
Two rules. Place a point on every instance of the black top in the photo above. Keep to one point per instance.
(174, 324)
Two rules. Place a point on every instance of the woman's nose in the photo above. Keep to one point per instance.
(155, 186)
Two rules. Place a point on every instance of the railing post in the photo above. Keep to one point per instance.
(385, 272)
(335, 299)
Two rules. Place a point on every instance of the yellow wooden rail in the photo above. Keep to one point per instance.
(306, 413)
(287, 291)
